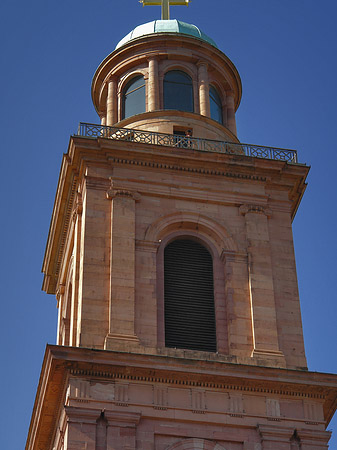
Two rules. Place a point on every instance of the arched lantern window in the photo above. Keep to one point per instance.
(189, 296)
(178, 91)
(216, 104)
(134, 97)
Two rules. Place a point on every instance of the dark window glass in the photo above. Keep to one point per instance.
(189, 296)
(216, 104)
(134, 97)
(178, 91)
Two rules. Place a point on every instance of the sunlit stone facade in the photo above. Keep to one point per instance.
(113, 381)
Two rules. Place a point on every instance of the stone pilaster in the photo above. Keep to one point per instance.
(81, 428)
(263, 311)
(77, 218)
(275, 437)
(122, 268)
(204, 102)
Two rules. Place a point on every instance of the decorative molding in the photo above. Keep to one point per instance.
(285, 390)
(147, 246)
(273, 409)
(97, 183)
(160, 396)
(275, 433)
(113, 193)
(258, 209)
(230, 256)
(236, 405)
(314, 438)
(122, 394)
(196, 443)
(60, 291)
(199, 170)
(198, 401)
(78, 207)
(184, 221)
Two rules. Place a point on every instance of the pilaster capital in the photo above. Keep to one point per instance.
(152, 58)
(275, 433)
(315, 438)
(112, 79)
(257, 209)
(78, 207)
(120, 192)
(201, 64)
(60, 291)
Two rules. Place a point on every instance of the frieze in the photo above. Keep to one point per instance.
(236, 387)
(199, 170)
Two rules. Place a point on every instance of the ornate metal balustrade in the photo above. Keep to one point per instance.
(172, 140)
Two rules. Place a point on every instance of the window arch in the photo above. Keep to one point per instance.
(178, 91)
(215, 104)
(134, 97)
(189, 296)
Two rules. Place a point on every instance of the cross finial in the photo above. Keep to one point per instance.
(165, 5)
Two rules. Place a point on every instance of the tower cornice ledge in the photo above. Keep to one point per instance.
(61, 362)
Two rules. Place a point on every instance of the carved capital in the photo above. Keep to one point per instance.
(112, 79)
(60, 291)
(201, 63)
(113, 193)
(78, 208)
(257, 209)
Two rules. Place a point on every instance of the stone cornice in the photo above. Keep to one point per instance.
(177, 167)
(61, 362)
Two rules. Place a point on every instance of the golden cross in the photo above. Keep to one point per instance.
(165, 5)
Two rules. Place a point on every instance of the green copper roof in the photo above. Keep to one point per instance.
(165, 26)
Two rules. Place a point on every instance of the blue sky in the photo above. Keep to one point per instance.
(285, 51)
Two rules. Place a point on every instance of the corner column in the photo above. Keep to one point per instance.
(111, 105)
(153, 85)
(205, 108)
(231, 122)
(122, 268)
(263, 310)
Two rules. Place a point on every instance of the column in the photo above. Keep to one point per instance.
(153, 85)
(111, 105)
(205, 109)
(263, 310)
(77, 219)
(122, 269)
(231, 122)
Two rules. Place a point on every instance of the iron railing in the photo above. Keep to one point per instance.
(171, 140)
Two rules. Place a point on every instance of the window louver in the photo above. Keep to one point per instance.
(189, 297)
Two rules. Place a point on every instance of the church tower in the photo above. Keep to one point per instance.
(170, 253)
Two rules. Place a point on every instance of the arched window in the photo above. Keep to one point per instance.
(134, 97)
(178, 91)
(189, 296)
(216, 104)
